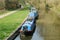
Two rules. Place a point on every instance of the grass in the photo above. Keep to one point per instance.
(11, 22)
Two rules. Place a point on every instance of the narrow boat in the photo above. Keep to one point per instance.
(33, 14)
(28, 27)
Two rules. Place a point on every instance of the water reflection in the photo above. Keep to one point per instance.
(37, 35)
(17, 38)
(26, 38)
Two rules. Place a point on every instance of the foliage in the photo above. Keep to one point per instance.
(49, 18)
(12, 4)
(2, 4)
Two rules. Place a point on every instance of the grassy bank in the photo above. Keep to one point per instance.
(11, 22)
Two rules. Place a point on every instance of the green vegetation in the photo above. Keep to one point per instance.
(49, 18)
(12, 4)
(2, 4)
(11, 22)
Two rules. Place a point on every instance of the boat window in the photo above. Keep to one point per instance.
(25, 27)
(29, 20)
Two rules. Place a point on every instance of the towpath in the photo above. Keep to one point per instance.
(6, 14)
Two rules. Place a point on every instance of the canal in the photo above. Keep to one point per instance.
(36, 36)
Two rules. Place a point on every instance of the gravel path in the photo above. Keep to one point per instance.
(4, 15)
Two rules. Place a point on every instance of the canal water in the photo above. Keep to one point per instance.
(35, 36)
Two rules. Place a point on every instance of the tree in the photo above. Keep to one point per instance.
(12, 4)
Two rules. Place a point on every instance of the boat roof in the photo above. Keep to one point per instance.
(31, 14)
(27, 23)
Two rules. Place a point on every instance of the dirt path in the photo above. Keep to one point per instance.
(4, 15)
